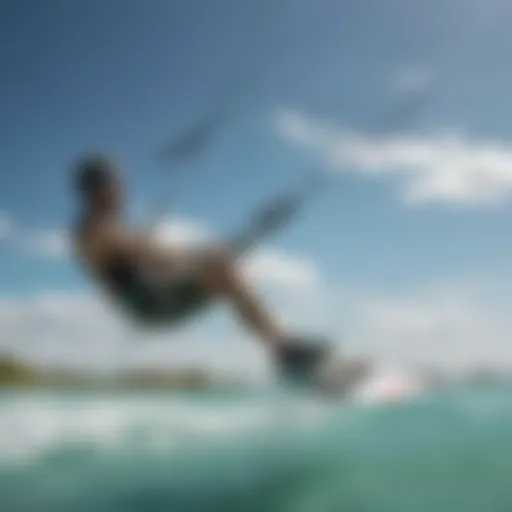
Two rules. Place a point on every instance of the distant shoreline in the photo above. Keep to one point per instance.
(15, 374)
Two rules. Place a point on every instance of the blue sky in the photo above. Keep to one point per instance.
(126, 76)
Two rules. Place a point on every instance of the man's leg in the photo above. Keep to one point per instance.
(222, 278)
(296, 357)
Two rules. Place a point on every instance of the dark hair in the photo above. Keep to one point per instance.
(92, 173)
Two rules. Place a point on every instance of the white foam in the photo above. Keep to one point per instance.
(31, 426)
(387, 385)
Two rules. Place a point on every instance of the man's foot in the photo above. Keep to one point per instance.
(299, 359)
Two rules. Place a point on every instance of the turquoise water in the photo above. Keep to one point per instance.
(451, 452)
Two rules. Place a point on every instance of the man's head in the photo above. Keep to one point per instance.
(97, 182)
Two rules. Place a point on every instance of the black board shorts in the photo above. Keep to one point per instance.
(169, 302)
(171, 298)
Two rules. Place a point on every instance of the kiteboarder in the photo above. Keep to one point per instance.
(160, 285)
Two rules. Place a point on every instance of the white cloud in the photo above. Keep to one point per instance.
(47, 243)
(412, 79)
(53, 244)
(6, 226)
(266, 266)
(56, 243)
(79, 331)
(56, 328)
(453, 327)
(182, 232)
(270, 266)
(446, 166)
(450, 326)
(75, 330)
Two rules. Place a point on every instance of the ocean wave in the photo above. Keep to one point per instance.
(208, 453)
(32, 425)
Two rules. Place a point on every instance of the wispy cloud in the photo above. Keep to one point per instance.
(59, 328)
(448, 166)
(6, 226)
(182, 232)
(48, 243)
(412, 79)
(84, 331)
(53, 244)
(274, 267)
(450, 326)
(265, 266)
(455, 327)
(78, 330)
